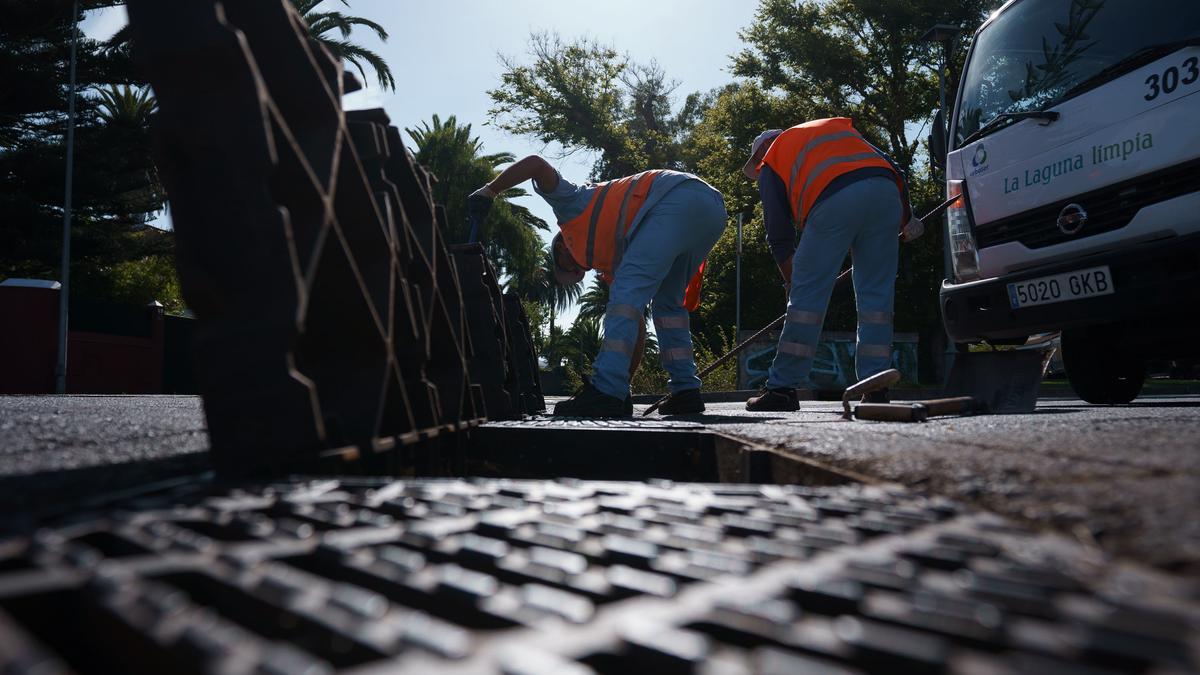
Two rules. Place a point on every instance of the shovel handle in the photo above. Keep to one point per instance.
(958, 405)
(891, 412)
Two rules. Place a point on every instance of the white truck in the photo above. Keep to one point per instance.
(1075, 146)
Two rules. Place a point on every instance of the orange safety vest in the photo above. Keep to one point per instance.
(809, 156)
(691, 294)
(596, 237)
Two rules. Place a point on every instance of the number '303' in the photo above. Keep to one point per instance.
(1172, 77)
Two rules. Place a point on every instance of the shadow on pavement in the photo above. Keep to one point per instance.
(30, 497)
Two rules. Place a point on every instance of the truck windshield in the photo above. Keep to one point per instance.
(1037, 52)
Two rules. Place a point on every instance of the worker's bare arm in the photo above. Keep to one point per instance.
(526, 168)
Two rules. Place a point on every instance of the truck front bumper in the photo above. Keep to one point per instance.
(1158, 279)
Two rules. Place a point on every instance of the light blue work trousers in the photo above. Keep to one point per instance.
(864, 218)
(662, 256)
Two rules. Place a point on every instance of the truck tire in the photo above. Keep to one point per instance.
(1100, 369)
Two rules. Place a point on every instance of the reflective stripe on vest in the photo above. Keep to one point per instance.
(813, 154)
(596, 237)
(812, 144)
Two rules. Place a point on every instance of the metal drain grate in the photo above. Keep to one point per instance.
(571, 576)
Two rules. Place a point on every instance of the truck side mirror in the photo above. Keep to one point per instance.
(937, 141)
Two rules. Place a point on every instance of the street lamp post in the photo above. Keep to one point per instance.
(737, 312)
(944, 34)
(60, 368)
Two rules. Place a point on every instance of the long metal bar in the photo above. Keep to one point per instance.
(60, 368)
(742, 345)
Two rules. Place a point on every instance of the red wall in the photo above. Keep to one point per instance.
(28, 339)
(96, 363)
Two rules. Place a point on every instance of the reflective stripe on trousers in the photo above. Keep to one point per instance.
(627, 311)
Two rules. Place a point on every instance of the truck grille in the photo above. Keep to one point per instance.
(1109, 208)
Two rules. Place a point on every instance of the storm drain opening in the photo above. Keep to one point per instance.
(603, 450)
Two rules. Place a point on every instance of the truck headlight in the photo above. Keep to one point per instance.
(963, 256)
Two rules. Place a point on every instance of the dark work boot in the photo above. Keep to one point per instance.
(591, 402)
(774, 400)
(686, 402)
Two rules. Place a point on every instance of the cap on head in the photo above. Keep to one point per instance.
(763, 139)
(563, 275)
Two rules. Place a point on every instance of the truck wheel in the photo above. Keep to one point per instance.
(1100, 369)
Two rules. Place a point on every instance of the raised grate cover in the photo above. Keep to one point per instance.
(572, 577)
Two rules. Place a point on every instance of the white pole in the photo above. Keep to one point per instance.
(737, 331)
(60, 369)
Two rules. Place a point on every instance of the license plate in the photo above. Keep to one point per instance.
(1075, 285)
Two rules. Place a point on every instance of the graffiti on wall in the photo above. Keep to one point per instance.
(833, 365)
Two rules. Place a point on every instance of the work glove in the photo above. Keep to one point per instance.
(913, 230)
(479, 203)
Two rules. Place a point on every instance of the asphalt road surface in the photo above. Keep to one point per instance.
(1124, 478)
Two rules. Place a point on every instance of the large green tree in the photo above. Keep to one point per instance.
(115, 191)
(586, 96)
(856, 58)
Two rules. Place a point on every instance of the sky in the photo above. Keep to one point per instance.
(445, 56)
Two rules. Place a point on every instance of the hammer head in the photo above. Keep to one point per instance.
(880, 380)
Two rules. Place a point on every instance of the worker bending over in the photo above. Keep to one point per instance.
(646, 236)
(824, 178)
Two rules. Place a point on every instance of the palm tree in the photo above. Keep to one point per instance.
(509, 234)
(133, 181)
(321, 24)
(594, 300)
(553, 295)
(556, 347)
(126, 106)
(584, 338)
(544, 289)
